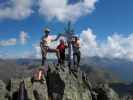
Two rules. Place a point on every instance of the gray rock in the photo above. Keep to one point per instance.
(59, 84)
(32, 89)
(3, 92)
(106, 93)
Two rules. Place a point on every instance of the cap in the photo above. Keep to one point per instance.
(47, 30)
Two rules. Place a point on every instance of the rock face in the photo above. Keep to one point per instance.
(105, 93)
(59, 84)
(3, 91)
(69, 85)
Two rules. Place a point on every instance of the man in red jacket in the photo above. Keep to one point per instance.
(61, 47)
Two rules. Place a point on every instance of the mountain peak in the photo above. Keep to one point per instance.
(59, 84)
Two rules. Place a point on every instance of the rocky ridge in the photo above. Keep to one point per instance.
(60, 83)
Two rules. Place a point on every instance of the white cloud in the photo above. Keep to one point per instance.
(23, 37)
(37, 51)
(88, 43)
(62, 11)
(9, 42)
(115, 46)
(16, 9)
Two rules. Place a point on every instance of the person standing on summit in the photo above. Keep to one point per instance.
(44, 45)
(61, 47)
(76, 50)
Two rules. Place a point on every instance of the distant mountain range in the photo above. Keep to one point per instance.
(118, 72)
(20, 67)
(122, 88)
(120, 67)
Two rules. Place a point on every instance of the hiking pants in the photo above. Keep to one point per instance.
(76, 58)
(69, 53)
(43, 58)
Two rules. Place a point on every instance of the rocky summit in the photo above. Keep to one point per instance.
(59, 83)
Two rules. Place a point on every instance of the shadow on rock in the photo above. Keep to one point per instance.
(36, 95)
(55, 86)
(21, 94)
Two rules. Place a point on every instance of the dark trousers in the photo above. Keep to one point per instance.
(62, 58)
(76, 58)
(43, 59)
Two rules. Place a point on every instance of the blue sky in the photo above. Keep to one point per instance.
(108, 17)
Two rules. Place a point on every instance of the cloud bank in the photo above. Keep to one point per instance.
(115, 46)
(63, 11)
(9, 42)
(23, 37)
(16, 9)
(50, 9)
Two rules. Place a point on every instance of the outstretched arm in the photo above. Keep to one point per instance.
(56, 38)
